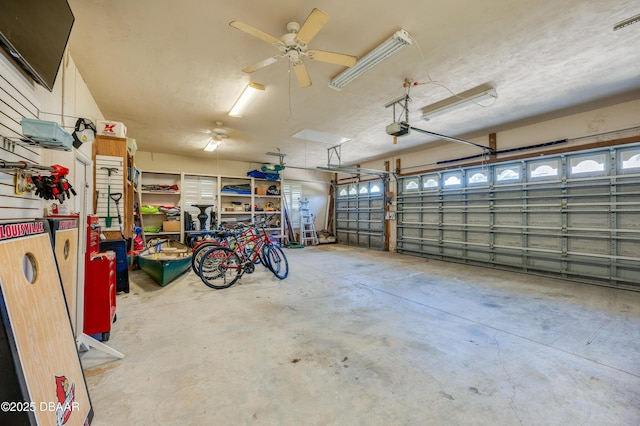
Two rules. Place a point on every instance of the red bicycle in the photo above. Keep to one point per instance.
(221, 266)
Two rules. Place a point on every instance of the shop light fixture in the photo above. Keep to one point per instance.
(397, 41)
(474, 96)
(248, 95)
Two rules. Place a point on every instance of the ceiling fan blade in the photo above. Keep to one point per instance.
(255, 32)
(315, 21)
(301, 74)
(331, 57)
(261, 64)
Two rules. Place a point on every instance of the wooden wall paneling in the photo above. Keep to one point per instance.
(38, 330)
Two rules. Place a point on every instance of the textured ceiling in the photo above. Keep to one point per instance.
(170, 70)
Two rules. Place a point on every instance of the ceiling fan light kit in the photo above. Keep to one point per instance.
(473, 96)
(217, 136)
(397, 41)
(245, 99)
(212, 145)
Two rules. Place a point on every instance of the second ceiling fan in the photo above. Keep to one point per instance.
(294, 45)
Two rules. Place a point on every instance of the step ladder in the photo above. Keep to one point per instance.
(307, 228)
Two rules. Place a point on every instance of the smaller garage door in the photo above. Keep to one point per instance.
(360, 214)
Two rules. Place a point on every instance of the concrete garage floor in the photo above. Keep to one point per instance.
(359, 337)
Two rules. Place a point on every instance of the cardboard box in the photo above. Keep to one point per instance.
(111, 128)
(261, 191)
(171, 226)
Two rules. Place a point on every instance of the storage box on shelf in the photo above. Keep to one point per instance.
(111, 128)
(46, 134)
(160, 189)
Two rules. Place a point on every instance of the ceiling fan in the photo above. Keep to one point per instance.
(217, 136)
(294, 45)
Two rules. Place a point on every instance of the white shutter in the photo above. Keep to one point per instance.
(199, 190)
(292, 194)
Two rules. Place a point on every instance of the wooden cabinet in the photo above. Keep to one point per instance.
(114, 195)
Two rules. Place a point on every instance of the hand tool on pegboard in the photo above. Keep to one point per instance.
(110, 170)
(54, 187)
(116, 197)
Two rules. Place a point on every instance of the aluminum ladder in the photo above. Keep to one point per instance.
(307, 228)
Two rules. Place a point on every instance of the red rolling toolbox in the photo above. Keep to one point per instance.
(99, 284)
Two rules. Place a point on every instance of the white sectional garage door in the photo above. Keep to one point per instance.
(574, 216)
(360, 209)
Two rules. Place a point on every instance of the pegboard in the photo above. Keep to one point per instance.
(15, 104)
(106, 206)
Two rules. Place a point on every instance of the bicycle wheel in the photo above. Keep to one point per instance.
(198, 251)
(220, 267)
(277, 261)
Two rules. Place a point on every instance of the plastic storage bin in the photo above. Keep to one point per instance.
(46, 134)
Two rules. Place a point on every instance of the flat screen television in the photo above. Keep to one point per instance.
(35, 33)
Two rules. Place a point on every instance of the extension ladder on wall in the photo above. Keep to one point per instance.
(307, 229)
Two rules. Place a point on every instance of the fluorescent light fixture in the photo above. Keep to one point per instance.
(397, 41)
(245, 99)
(474, 96)
(212, 145)
(314, 135)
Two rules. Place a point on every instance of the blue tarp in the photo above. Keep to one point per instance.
(262, 175)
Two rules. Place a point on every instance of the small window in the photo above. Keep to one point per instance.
(544, 169)
(630, 159)
(411, 184)
(429, 182)
(452, 181)
(632, 163)
(353, 191)
(475, 177)
(507, 173)
(343, 192)
(364, 190)
(593, 164)
(375, 189)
